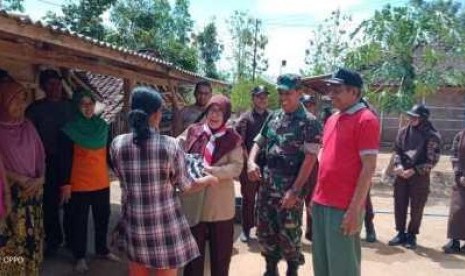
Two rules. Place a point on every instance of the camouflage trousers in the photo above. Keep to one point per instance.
(279, 231)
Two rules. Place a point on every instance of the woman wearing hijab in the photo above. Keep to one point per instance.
(456, 224)
(220, 148)
(23, 157)
(85, 178)
(149, 165)
(417, 151)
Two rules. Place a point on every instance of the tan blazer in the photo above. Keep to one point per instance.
(214, 203)
(219, 201)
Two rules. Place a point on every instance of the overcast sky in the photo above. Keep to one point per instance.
(287, 23)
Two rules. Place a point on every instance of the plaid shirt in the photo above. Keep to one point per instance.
(155, 231)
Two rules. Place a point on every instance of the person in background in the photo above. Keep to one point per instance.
(49, 115)
(290, 139)
(309, 103)
(347, 162)
(23, 156)
(248, 126)
(326, 113)
(418, 149)
(456, 224)
(187, 116)
(221, 149)
(84, 177)
(147, 164)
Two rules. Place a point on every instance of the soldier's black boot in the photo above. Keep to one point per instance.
(399, 239)
(292, 268)
(452, 247)
(411, 241)
(271, 267)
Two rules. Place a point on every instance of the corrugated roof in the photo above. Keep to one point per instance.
(26, 20)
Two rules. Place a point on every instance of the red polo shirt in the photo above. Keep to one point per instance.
(346, 137)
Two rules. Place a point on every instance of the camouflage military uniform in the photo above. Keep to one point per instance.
(285, 138)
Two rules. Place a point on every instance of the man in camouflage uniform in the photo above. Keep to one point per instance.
(290, 139)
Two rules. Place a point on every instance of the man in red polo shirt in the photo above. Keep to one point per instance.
(347, 163)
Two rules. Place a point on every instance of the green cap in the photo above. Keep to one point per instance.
(288, 82)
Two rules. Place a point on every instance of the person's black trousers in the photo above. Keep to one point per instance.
(51, 208)
(79, 206)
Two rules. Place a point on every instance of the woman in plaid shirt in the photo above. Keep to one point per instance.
(151, 167)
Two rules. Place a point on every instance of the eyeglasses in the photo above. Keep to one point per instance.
(215, 111)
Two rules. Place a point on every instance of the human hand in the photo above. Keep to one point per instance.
(290, 200)
(32, 187)
(462, 181)
(65, 194)
(211, 180)
(398, 171)
(351, 222)
(408, 173)
(253, 171)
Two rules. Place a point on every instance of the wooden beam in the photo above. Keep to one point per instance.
(74, 42)
(128, 85)
(89, 47)
(28, 53)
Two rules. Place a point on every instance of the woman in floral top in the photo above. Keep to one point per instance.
(23, 156)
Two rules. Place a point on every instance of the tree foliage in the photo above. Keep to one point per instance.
(244, 29)
(210, 49)
(153, 24)
(409, 48)
(12, 5)
(329, 44)
(240, 94)
(182, 21)
(84, 17)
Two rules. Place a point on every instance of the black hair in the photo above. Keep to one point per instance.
(5, 76)
(202, 83)
(46, 75)
(144, 102)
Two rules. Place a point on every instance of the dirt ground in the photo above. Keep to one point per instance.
(377, 259)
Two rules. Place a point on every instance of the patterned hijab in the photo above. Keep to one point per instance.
(213, 144)
(89, 133)
(21, 147)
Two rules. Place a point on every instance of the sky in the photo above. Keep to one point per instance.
(288, 24)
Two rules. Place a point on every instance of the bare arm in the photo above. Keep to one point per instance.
(253, 171)
(351, 221)
(364, 182)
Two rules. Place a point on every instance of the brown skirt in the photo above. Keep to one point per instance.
(456, 225)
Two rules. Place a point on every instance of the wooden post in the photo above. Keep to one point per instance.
(175, 119)
(127, 87)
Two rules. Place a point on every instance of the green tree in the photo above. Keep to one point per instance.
(182, 21)
(248, 41)
(84, 17)
(407, 47)
(12, 5)
(329, 44)
(210, 49)
(150, 24)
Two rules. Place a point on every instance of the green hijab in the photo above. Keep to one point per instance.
(89, 133)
